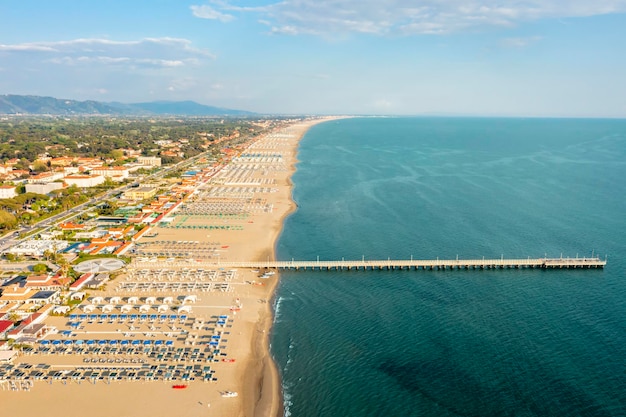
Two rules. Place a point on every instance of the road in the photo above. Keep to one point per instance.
(17, 236)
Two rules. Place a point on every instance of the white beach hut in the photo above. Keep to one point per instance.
(88, 308)
(190, 299)
(184, 309)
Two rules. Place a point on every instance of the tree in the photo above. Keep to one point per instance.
(40, 166)
(40, 268)
(7, 220)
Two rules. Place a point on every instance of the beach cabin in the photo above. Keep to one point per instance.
(77, 296)
(97, 300)
(190, 299)
(61, 310)
(88, 308)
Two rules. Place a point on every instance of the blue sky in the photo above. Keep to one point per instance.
(490, 57)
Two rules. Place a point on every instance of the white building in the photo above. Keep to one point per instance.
(44, 188)
(152, 161)
(115, 173)
(36, 248)
(84, 181)
(7, 191)
(45, 177)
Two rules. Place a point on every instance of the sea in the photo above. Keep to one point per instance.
(513, 342)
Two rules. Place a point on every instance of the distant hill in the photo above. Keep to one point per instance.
(188, 108)
(16, 104)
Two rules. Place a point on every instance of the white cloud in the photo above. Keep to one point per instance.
(157, 52)
(405, 17)
(26, 47)
(208, 12)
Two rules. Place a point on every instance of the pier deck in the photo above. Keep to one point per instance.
(544, 263)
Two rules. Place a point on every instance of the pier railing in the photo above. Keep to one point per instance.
(544, 263)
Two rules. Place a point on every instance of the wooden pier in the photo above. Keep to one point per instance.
(389, 264)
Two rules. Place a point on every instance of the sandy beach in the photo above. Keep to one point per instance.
(177, 306)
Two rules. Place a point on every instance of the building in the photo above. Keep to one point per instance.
(140, 193)
(47, 282)
(45, 177)
(84, 181)
(115, 173)
(62, 161)
(5, 326)
(152, 161)
(37, 248)
(44, 188)
(7, 191)
(80, 283)
(16, 294)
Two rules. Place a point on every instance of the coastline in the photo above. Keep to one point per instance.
(267, 384)
(252, 371)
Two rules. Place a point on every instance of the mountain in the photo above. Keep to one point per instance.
(16, 104)
(188, 108)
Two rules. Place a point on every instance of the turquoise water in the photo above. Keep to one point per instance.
(455, 343)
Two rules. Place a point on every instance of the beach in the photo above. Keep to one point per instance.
(155, 320)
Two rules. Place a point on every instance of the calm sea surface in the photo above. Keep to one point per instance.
(456, 343)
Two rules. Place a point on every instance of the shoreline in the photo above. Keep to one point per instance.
(268, 385)
(255, 192)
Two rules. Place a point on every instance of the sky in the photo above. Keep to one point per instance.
(528, 58)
